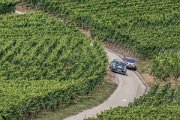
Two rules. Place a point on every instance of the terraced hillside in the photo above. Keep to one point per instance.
(147, 27)
(44, 64)
(162, 102)
(7, 6)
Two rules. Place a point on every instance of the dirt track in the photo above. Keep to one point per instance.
(129, 87)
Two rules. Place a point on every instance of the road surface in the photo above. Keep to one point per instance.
(129, 87)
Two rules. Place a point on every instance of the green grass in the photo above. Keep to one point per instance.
(144, 66)
(94, 98)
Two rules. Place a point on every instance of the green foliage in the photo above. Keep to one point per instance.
(157, 96)
(165, 112)
(166, 65)
(177, 94)
(160, 103)
(146, 26)
(7, 6)
(44, 64)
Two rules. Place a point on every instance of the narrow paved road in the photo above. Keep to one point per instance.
(129, 87)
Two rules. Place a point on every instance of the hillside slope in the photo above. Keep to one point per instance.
(44, 64)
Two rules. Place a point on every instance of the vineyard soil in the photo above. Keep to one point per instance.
(24, 8)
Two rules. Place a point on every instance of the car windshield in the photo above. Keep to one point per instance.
(119, 63)
(130, 60)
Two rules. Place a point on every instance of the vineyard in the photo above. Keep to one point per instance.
(147, 27)
(7, 6)
(167, 65)
(44, 64)
(161, 102)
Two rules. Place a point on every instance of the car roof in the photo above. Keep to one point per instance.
(118, 60)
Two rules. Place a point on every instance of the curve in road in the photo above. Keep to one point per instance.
(129, 88)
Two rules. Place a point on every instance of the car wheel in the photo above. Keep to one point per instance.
(109, 67)
(125, 74)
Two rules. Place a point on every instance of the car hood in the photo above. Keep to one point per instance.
(120, 67)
